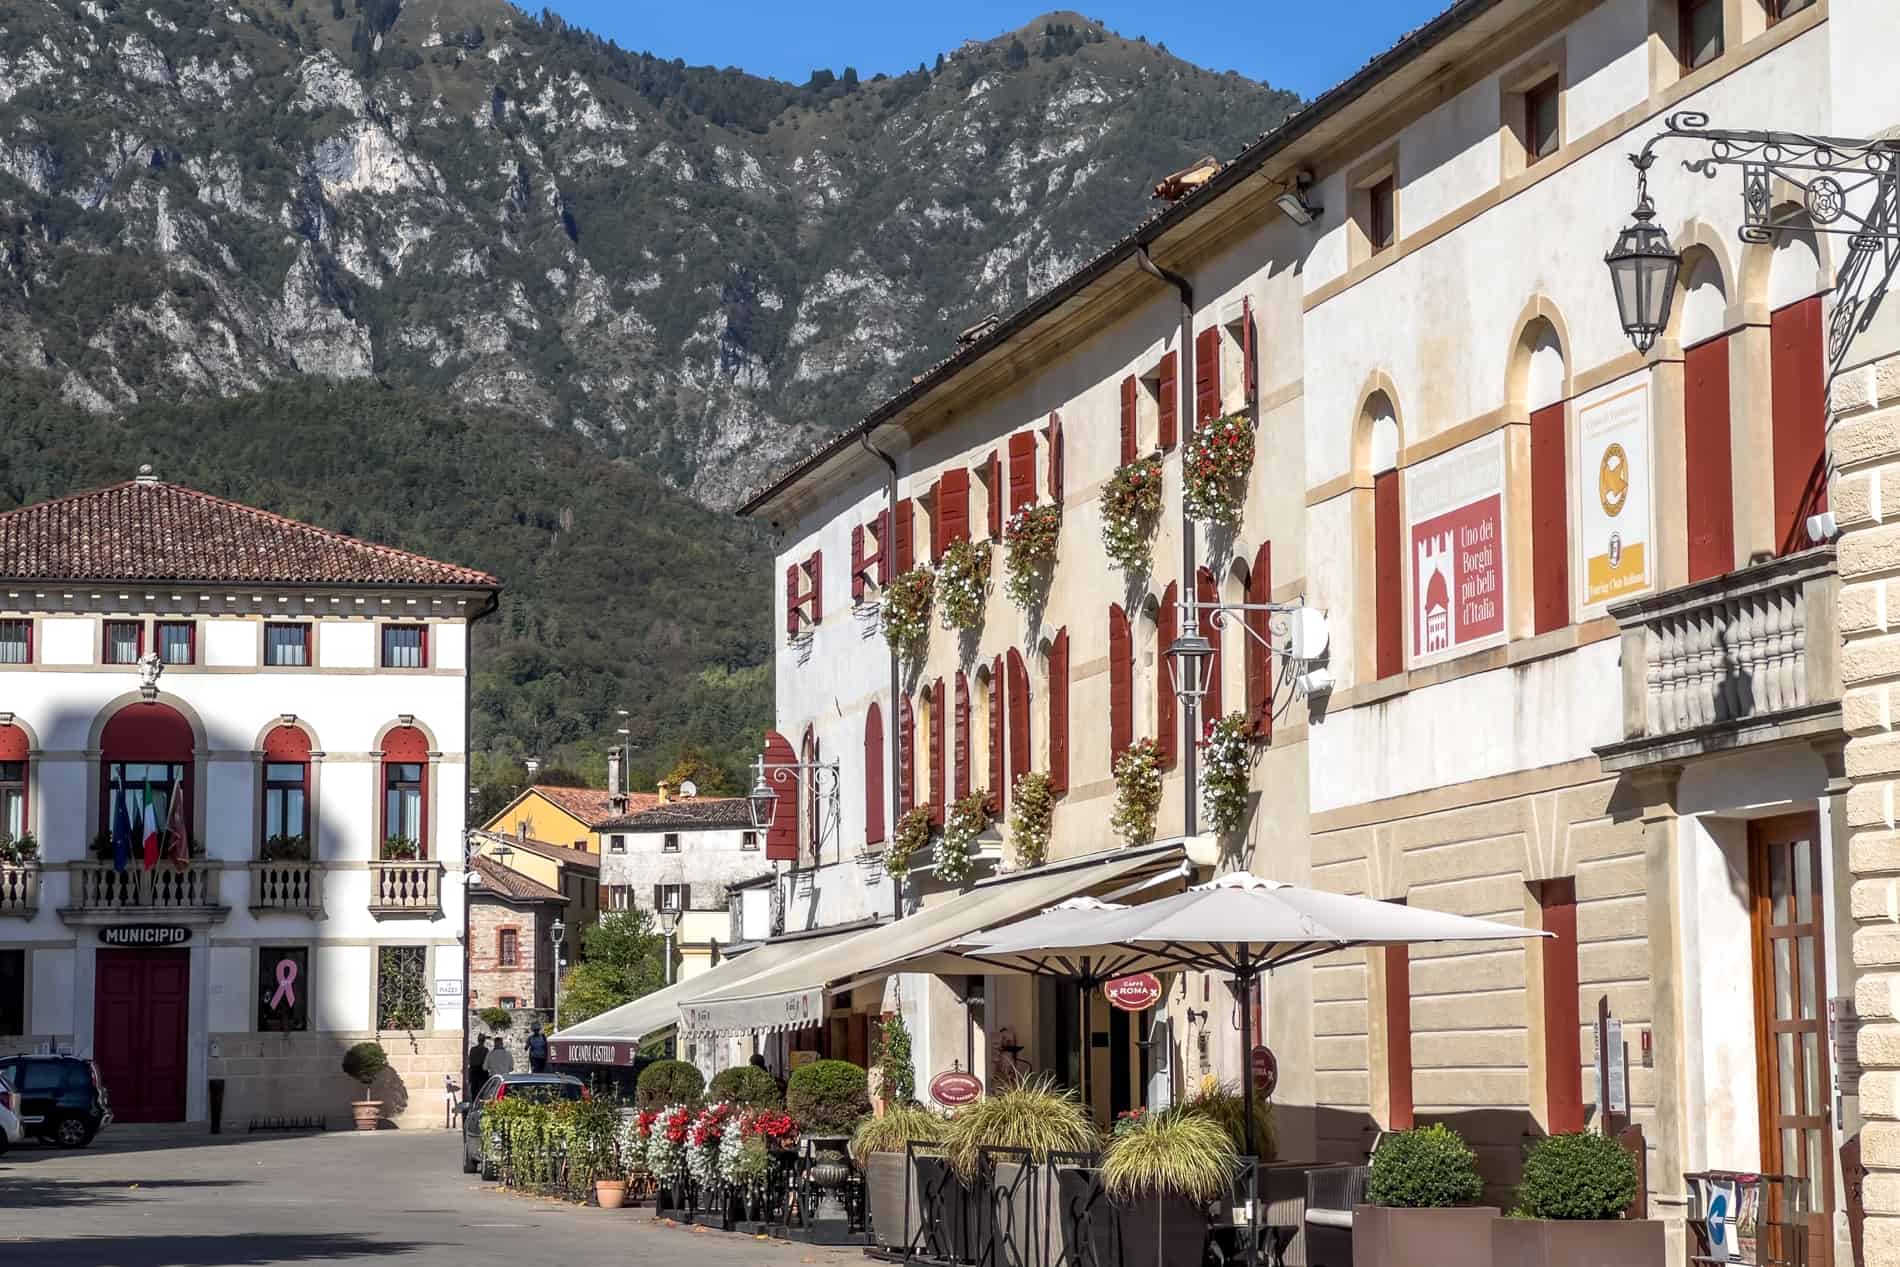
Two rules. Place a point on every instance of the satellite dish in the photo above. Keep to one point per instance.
(688, 789)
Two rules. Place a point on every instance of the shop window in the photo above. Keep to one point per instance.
(405, 647)
(283, 989)
(16, 642)
(402, 987)
(12, 993)
(286, 646)
(124, 642)
(177, 642)
(508, 948)
(1699, 38)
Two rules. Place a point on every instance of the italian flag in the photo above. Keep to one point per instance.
(148, 831)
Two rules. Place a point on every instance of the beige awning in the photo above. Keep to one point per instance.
(792, 995)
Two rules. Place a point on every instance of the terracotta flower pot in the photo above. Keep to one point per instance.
(368, 1114)
(611, 1194)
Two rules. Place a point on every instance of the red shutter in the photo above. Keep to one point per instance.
(884, 550)
(1059, 713)
(906, 756)
(936, 522)
(1022, 470)
(1388, 576)
(1131, 440)
(994, 487)
(1208, 593)
(1121, 684)
(961, 723)
(1019, 761)
(1550, 522)
(996, 736)
(1167, 718)
(791, 599)
(817, 570)
(937, 780)
(1706, 441)
(953, 505)
(1168, 404)
(781, 839)
(874, 775)
(1797, 368)
(857, 563)
(1259, 659)
(1054, 432)
(1398, 1037)
(1249, 364)
(1207, 375)
(906, 559)
(1563, 1048)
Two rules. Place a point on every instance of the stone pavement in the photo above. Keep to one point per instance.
(395, 1197)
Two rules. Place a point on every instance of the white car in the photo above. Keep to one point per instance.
(11, 1132)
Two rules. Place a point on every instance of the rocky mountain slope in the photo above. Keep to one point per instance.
(696, 270)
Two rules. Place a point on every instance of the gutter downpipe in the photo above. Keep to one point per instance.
(1190, 593)
(896, 709)
(468, 857)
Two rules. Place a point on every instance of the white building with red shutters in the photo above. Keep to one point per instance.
(306, 695)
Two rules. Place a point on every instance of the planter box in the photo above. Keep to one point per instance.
(1169, 1231)
(1384, 1236)
(949, 1221)
(1580, 1243)
(888, 1182)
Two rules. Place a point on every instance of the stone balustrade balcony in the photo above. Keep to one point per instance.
(1738, 660)
(294, 888)
(98, 888)
(19, 890)
(405, 888)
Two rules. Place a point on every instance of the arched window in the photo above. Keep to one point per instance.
(14, 820)
(1021, 757)
(1550, 480)
(874, 775)
(1388, 530)
(287, 791)
(960, 781)
(814, 823)
(1707, 437)
(935, 704)
(406, 788)
(145, 749)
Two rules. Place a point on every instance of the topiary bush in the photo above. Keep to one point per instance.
(364, 1061)
(1424, 1169)
(1580, 1176)
(828, 1097)
(747, 1086)
(668, 1082)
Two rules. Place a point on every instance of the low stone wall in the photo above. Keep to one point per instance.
(301, 1076)
(515, 1037)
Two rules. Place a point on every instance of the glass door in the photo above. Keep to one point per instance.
(1795, 1083)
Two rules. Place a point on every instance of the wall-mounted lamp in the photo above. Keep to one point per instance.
(1294, 201)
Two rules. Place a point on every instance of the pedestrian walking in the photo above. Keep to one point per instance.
(537, 1050)
(499, 1060)
(477, 1067)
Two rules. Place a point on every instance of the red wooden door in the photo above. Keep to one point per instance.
(140, 1018)
(1798, 370)
(1388, 576)
(1707, 443)
(1550, 521)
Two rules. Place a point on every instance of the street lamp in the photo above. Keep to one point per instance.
(669, 921)
(559, 934)
(763, 800)
(1190, 664)
(1643, 269)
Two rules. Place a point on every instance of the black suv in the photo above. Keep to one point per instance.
(61, 1099)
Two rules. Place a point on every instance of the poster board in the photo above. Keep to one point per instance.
(1455, 551)
(1612, 482)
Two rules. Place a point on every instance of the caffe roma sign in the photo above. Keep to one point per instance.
(1134, 994)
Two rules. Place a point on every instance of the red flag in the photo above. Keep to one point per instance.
(148, 830)
(177, 838)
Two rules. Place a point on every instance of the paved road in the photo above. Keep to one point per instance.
(390, 1198)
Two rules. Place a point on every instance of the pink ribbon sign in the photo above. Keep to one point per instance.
(286, 978)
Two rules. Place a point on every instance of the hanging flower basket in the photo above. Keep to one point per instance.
(1031, 542)
(907, 611)
(963, 584)
(1226, 762)
(955, 848)
(1031, 809)
(913, 833)
(1131, 507)
(1214, 470)
(1137, 792)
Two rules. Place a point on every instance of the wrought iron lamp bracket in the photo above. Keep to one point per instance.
(820, 773)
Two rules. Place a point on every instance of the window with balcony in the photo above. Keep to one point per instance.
(145, 755)
(405, 647)
(286, 646)
(283, 989)
(405, 794)
(508, 948)
(124, 642)
(1699, 40)
(12, 798)
(177, 642)
(285, 796)
(16, 642)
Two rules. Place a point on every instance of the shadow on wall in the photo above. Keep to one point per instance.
(1499, 1137)
(301, 1076)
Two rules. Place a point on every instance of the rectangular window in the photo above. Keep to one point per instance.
(124, 642)
(1541, 137)
(286, 646)
(12, 992)
(16, 642)
(130, 780)
(402, 800)
(671, 897)
(750, 840)
(284, 799)
(12, 799)
(617, 897)
(177, 642)
(510, 1002)
(1701, 33)
(671, 843)
(1779, 9)
(508, 948)
(405, 647)
(617, 843)
(1381, 214)
(402, 988)
(283, 989)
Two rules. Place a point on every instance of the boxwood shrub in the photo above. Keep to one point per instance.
(1580, 1176)
(828, 1097)
(745, 1085)
(667, 1082)
(1426, 1168)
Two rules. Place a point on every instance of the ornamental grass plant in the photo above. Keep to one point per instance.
(901, 1124)
(1034, 1114)
(1176, 1152)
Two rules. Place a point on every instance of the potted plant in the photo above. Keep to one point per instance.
(890, 1189)
(287, 848)
(400, 849)
(1570, 1207)
(1422, 1208)
(669, 1082)
(19, 851)
(595, 1143)
(1160, 1172)
(745, 1087)
(1034, 1116)
(828, 1097)
(1222, 1102)
(363, 1062)
(751, 1169)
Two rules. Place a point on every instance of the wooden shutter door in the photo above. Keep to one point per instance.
(1207, 375)
(873, 775)
(936, 522)
(1022, 470)
(1121, 684)
(1388, 575)
(1059, 713)
(906, 756)
(1797, 366)
(1249, 353)
(903, 547)
(953, 505)
(1259, 659)
(857, 562)
(885, 550)
(994, 488)
(1550, 522)
(791, 599)
(996, 736)
(1019, 749)
(961, 780)
(1054, 433)
(1167, 715)
(938, 783)
(781, 839)
(1706, 444)
(1207, 592)
(1168, 403)
(1131, 443)
(817, 569)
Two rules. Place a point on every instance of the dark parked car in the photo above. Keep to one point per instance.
(61, 1099)
(543, 1086)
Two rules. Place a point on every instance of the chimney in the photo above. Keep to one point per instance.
(666, 791)
(613, 772)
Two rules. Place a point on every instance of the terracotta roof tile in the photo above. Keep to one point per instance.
(711, 811)
(505, 882)
(554, 853)
(592, 805)
(146, 530)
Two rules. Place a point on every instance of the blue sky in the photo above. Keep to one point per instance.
(1304, 47)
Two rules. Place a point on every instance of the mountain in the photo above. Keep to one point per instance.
(485, 285)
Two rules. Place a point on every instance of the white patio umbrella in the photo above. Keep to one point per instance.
(1239, 924)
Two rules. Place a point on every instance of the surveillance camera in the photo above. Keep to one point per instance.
(1315, 681)
(1822, 528)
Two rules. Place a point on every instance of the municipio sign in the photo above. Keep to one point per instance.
(953, 1088)
(1266, 1070)
(1134, 994)
(145, 935)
